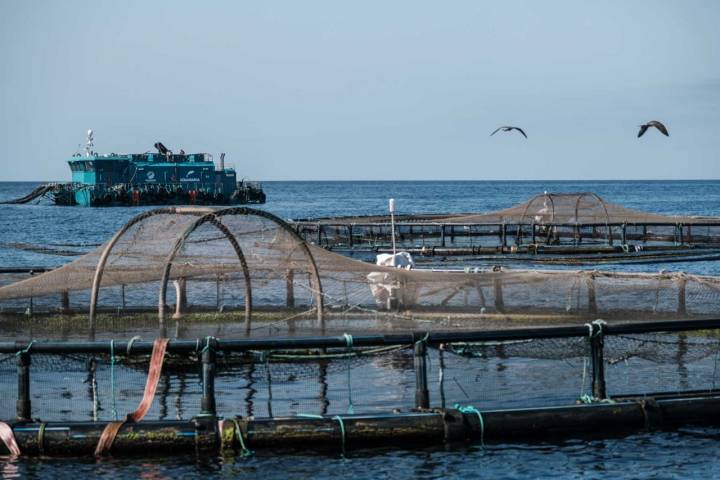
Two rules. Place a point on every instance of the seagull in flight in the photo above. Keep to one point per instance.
(509, 129)
(653, 123)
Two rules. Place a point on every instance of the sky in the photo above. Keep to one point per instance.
(371, 90)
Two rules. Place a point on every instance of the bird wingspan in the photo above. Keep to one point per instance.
(496, 130)
(521, 131)
(643, 129)
(662, 128)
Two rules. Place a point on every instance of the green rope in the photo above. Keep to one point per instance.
(424, 339)
(589, 399)
(113, 360)
(244, 451)
(26, 350)
(349, 343)
(207, 346)
(342, 433)
(340, 422)
(471, 409)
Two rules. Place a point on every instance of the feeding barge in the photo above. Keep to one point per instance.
(161, 178)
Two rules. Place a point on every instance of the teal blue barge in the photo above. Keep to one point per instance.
(162, 178)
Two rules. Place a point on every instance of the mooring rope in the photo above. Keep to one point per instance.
(41, 438)
(111, 429)
(349, 343)
(339, 419)
(244, 451)
(25, 350)
(342, 433)
(471, 409)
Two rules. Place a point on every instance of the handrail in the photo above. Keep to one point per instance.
(431, 338)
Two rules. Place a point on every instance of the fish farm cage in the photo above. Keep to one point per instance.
(339, 393)
(322, 351)
(551, 227)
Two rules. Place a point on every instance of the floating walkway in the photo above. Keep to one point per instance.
(548, 227)
(432, 421)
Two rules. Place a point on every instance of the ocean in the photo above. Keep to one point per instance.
(688, 453)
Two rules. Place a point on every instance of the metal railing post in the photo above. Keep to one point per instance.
(207, 402)
(23, 408)
(597, 359)
(422, 395)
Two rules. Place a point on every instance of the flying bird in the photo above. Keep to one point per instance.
(509, 129)
(653, 123)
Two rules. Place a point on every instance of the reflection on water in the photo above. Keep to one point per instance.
(684, 454)
(501, 379)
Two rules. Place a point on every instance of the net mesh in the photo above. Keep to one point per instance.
(225, 258)
(543, 209)
(489, 375)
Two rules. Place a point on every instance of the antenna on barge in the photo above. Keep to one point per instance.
(89, 145)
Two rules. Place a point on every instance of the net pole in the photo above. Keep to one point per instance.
(391, 205)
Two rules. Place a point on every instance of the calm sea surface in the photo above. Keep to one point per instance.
(691, 453)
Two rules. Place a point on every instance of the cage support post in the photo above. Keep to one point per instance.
(592, 299)
(350, 236)
(422, 395)
(682, 287)
(442, 235)
(207, 402)
(64, 301)
(499, 301)
(290, 289)
(22, 407)
(597, 358)
(624, 234)
(217, 292)
(532, 235)
(680, 233)
(122, 292)
(319, 235)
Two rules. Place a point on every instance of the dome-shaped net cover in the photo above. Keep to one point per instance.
(584, 208)
(255, 249)
(572, 208)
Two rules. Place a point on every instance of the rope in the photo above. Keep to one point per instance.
(8, 438)
(26, 350)
(130, 343)
(471, 409)
(244, 451)
(589, 399)
(349, 343)
(339, 419)
(600, 323)
(111, 429)
(113, 360)
(342, 433)
(41, 438)
(207, 346)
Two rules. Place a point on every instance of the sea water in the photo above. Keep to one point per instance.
(688, 453)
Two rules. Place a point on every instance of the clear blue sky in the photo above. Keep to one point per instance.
(299, 90)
